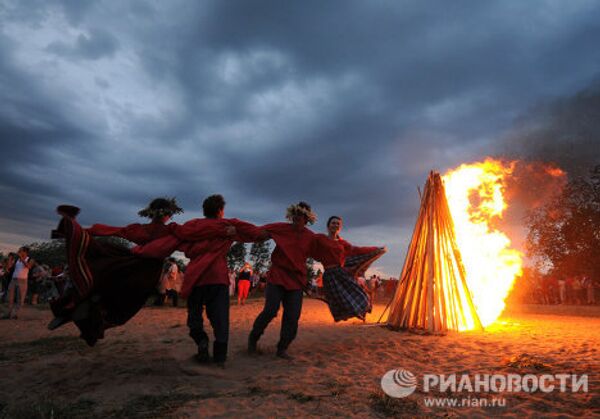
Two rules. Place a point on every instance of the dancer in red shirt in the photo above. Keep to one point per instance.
(342, 263)
(110, 283)
(287, 277)
(206, 280)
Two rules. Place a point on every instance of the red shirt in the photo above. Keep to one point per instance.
(334, 252)
(207, 245)
(288, 261)
(137, 233)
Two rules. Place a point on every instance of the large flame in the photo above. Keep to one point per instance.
(475, 197)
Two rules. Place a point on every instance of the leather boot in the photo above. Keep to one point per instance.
(282, 351)
(202, 355)
(220, 353)
(252, 344)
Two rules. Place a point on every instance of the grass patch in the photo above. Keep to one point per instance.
(301, 397)
(122, 342)
(255, 390)
(50, 342)
(47, 408)
(20, 351)
(388, 406)
(336, 387)
(150, 406)
(297, 396)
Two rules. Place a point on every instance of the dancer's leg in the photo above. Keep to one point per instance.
(273, 297)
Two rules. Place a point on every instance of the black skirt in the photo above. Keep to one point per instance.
(109, 283)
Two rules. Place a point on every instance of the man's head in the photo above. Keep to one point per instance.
(23, 252)
(214, 206)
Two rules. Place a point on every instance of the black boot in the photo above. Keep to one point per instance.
(220, 353)
(252, 344)
(56, 322)
(282, 351)
(202, 355)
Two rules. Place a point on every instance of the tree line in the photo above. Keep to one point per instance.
(564, 235)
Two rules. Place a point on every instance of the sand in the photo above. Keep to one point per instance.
(146, 369)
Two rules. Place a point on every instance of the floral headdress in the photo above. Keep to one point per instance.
(161, 207)
(301, 208)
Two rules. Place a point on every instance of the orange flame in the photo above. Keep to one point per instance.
(475, 197)
(555, 171)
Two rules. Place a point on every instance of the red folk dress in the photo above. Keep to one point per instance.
(110, 283)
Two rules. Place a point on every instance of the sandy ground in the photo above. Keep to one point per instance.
(146, 369)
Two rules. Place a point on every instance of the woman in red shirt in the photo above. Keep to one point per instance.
(342, 263)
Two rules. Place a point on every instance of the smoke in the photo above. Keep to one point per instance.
(531, 185)
(565, 132)
(553, 142)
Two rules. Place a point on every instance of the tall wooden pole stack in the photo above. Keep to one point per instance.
(432, 295)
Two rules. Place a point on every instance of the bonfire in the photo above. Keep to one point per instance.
(459, 267)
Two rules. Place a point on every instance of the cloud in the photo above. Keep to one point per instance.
(564, 131)
(106, 105)
(93, 46)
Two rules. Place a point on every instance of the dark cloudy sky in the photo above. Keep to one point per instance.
(344, 104)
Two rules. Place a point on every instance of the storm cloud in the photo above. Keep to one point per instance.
(344, 104)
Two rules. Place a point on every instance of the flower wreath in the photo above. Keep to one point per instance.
(161, 207)
(292, 210)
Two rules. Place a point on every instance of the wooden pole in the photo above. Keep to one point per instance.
(432, 294)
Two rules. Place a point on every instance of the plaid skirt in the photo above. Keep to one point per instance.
(345, 297)
(358, 264)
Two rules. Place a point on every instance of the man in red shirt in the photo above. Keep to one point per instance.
(206, 280)
(287, 277)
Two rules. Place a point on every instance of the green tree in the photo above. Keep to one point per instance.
(564, 235)
(51, 253)
(115, 241)
(260, 256)
(236, 257)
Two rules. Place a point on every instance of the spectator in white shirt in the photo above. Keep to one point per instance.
(18, 283)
